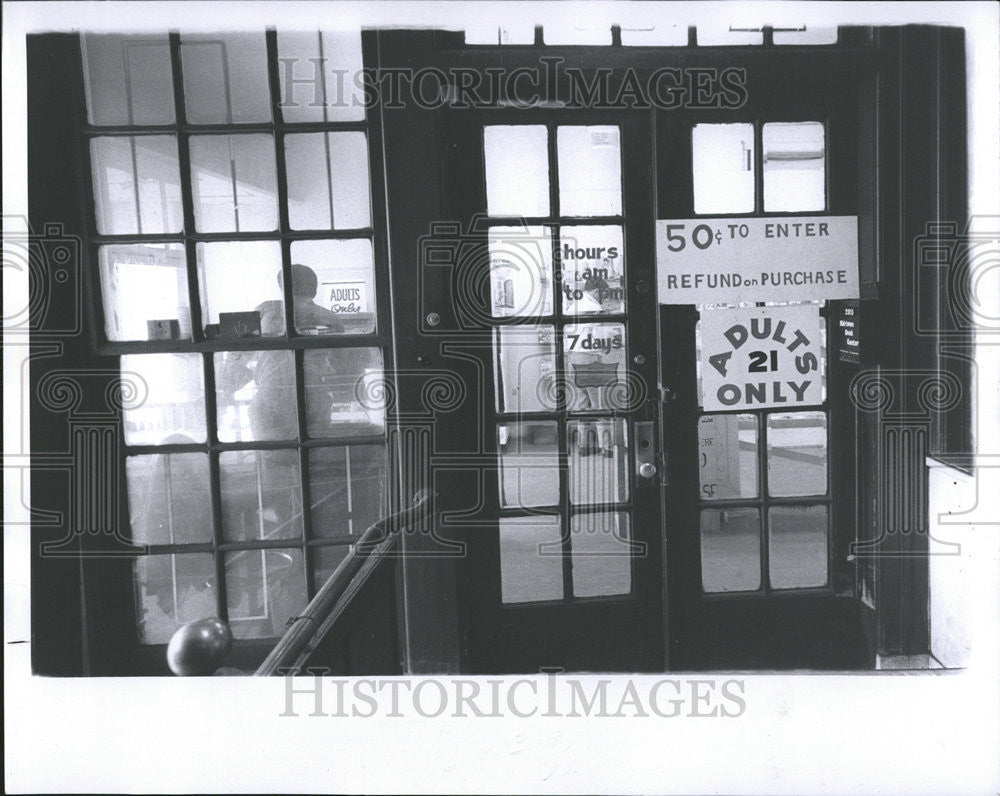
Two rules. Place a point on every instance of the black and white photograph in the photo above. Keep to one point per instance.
(501, 397)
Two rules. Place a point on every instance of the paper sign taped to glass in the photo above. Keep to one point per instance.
(758, 357)
(719, 456)
(780, 258)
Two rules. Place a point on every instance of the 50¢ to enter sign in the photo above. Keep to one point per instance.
(780, 258)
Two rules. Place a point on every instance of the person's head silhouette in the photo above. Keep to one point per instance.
(304, 281)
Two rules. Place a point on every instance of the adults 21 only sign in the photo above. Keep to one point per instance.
(756, 357)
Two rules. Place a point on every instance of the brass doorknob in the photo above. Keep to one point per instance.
(647, 469)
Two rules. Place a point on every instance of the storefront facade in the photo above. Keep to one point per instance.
(657, 320)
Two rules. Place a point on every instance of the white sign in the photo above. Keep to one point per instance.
(756, 357)
(719, 456)
(346, 297)
(780, 258)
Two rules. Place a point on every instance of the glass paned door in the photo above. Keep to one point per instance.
(572, 575)
(759, 503)
(574, 466)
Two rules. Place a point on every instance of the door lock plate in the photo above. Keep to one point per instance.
(645, 449)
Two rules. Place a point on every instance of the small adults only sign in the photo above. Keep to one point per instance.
(756, 357)
(730, 260)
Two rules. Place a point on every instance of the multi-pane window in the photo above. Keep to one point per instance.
(763, 474)
(239, 273)
(560, 351)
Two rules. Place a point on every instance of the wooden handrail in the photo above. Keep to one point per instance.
(343, 585)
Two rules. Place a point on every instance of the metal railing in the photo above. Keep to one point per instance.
(340, 589)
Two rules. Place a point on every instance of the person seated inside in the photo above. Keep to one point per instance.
(272, 407)
(308, 315)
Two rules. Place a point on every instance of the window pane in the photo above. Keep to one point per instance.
(595, 366)
(808, 35)
(320, 90)
(345, 392)
(794, 167)
(517, 170)
(255, 395)
(261, 495)
(723, 168)
(656, 35)
(345, 287)
(263, 589)
(593, 270)
(729, 33)
(602, 556)
(557, 32)
(172, 590)
(730, 550)
(241, 291)
(168, 498)
(530, 559)
(145, 292)
(136, 184)
(520, 271)
(796, 453)
(727, 456)
(164, 399)
(529, 464)
(325, 168)
(234, 183)
(225, 78)
(347, 489)
(512, 32)
(127, 79)
(590, 171)
(524, 363)
(597, 452)
(798, 546)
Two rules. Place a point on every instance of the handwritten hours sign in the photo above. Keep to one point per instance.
(779, 258)
(757, 357)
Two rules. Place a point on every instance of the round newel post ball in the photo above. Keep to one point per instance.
(199, 647)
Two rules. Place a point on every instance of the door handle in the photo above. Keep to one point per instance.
(645, 449)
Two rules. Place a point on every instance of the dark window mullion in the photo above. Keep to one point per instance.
(303, 452)
(561, 373)
(197, 327)
(215, 486)
(758, 166)
(187, 196)
(221, 447)
(221, 128)
(361, 233)
(611, 507)
(765, 501)
(119, 347)
(271, 41)
(125, 240)
(377, 234)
